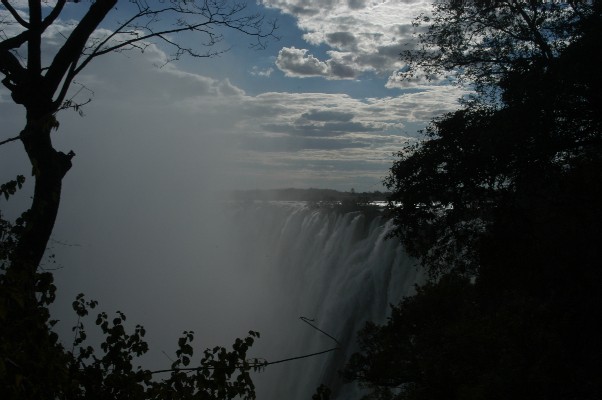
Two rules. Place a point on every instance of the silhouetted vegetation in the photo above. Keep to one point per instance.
(33, 363)
(501, 203)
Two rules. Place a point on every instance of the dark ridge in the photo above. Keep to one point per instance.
(312, 194)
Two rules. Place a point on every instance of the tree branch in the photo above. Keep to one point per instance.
(10, 140)
(15, 14)
(258, 364)
(66, 84)
(309, 322)
(264, 363)
(14, 42)
(56, 11)
(12, 69)
(76, 42)
(538, 39)
(131, 42)
(34, 44)
(249, 25)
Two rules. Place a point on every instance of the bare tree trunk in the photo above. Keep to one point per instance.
(49, 168)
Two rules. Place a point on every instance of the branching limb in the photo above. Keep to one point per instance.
(56, 11)
(211, 13)
(14, 42)
(77, 106)
(76, 42)
(15, 14)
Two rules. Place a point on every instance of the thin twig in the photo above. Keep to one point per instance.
(261, 364)
(296, 358)
(307, 321)
(10, 140)
(249, 365)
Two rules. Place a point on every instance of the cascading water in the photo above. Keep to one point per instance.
(333, 267)
(238, 266)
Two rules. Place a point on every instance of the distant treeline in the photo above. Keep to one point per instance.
(311, 195)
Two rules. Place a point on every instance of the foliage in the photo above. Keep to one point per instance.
(33, 362)
(458, 340)
(35, 365)
(501, 205)
(9, 188)
(447, 188)
(322, 393)
(481, 41)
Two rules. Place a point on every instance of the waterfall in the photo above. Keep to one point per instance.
(333, 267)
(240, 266)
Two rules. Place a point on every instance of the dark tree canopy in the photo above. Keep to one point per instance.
(481, 41)
(500, 202)
(447, 187)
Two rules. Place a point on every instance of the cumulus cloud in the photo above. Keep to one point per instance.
(363, 35)
(298, 63)
(343, 40)
(135, 98)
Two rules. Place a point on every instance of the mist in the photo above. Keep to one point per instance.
(145, 227)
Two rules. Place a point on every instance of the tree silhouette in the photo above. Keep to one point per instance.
(42, 88)
(501, 205)
(33, 364)
(543, 119)
(478, 42)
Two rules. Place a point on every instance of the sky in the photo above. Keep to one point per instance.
(320, 107)
(139, 227)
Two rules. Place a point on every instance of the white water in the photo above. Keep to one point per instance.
(234, 267)
(335, 268)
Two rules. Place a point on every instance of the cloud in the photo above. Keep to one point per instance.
(198, 123)
(342, 40)
(419, 80)
(326, 129)
(266, 72)
(281, 144)
(298, 63)
(325, 115)
(363, 36)
(23, 4)
(156, 142)
(356, 4)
